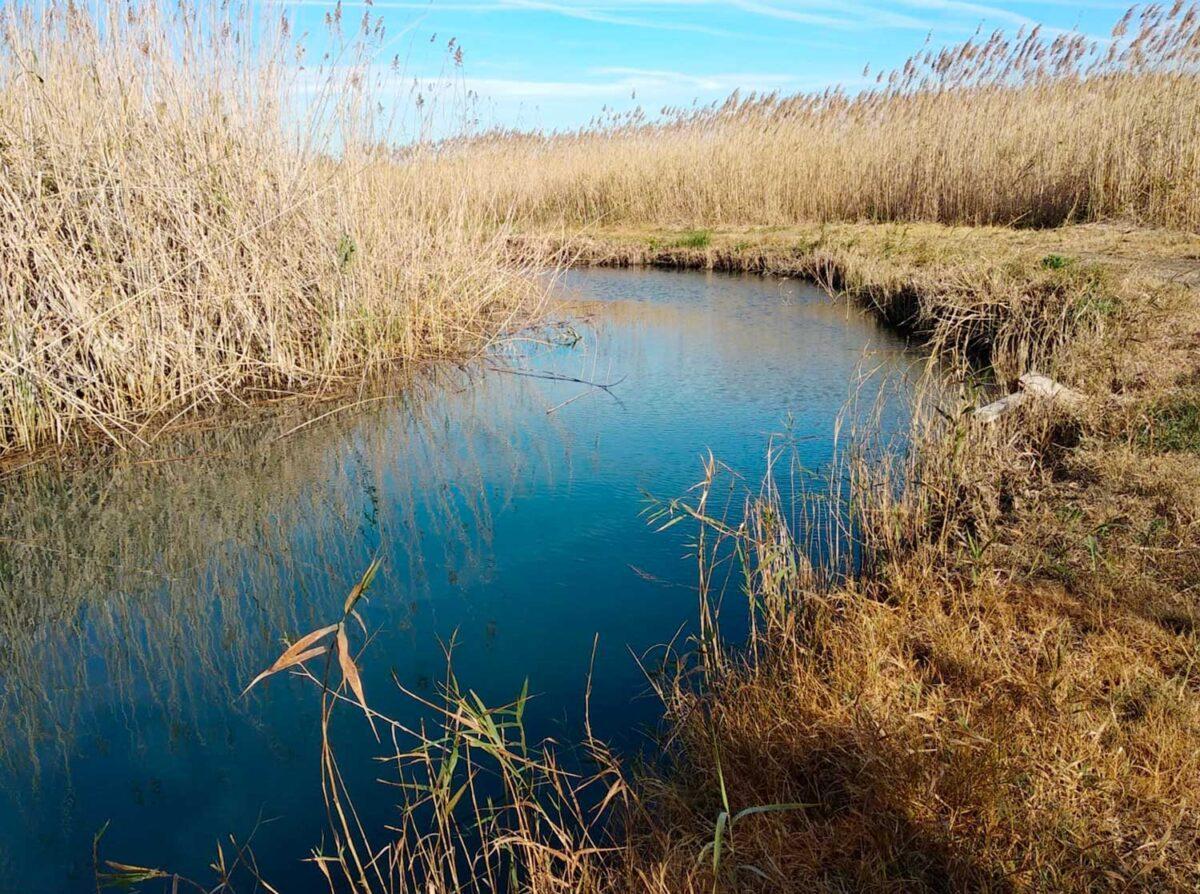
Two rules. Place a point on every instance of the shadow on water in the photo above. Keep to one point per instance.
(138, 596)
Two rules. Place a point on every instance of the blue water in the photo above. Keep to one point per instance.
(138, 597)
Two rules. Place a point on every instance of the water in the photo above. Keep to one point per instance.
(137, 599)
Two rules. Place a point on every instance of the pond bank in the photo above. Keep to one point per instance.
(922, 278)
(1008, 699)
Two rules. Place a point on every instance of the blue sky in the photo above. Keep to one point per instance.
(555, 63)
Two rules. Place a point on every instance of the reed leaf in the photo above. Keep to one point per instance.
(295, 654)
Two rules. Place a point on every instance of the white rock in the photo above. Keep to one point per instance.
(1045, 387)
(1032, 385)
(996, 409)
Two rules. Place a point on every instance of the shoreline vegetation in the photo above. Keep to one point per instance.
(197, 216)
(1005, 699)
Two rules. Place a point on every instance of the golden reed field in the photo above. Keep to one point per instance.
(190, 220)
(194, 221)
(1014, 130)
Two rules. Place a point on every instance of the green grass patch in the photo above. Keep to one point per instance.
(1092, 284)
(694, 239)
(1098, 306)
(1174, 425)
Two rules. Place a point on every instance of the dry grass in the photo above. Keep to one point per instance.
(1006, 698)
(191, 219)
(1012, 130)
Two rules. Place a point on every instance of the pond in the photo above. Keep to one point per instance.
(138, 597)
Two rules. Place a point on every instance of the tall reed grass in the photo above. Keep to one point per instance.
(1025, 129)
(195, 213)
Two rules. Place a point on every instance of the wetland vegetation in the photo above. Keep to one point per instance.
(998, 692)
(194, 219)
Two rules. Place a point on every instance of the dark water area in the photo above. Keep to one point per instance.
(139, 597)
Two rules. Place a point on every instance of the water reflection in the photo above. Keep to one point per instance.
(138, 597)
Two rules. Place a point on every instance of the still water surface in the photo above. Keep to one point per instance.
(137, 599)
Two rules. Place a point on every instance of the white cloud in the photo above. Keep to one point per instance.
(963, 15)
(957, 16)
(602, 84)
(794, 15)
(622, 83)
(600, 12)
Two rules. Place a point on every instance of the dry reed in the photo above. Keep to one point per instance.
(1003, 699)
(1021, 129)
(192, 217)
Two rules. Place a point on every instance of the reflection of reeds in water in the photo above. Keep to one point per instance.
(164, 579)
(484, 808)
